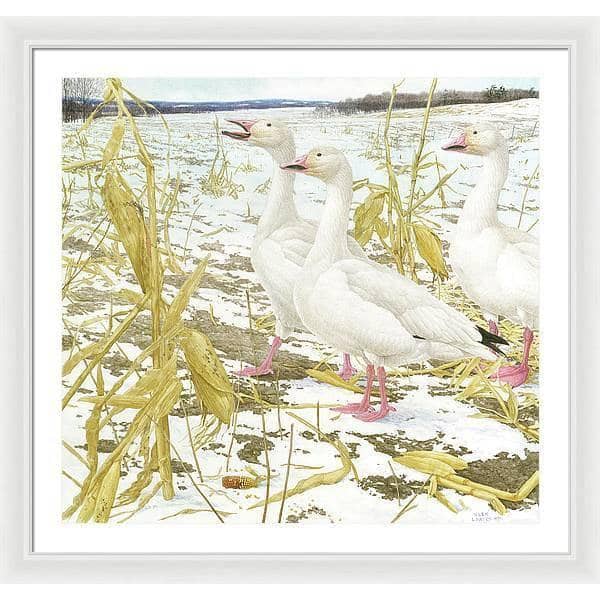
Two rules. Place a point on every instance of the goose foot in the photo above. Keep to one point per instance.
(255, 371)
(265, 368)
(384, 409)
(373, 415)
(363, 406)
(347, 371)
(514, 375)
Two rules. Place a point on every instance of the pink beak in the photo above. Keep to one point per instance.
(457, 145)
(298, 164)
(245, 124)
(239, 135)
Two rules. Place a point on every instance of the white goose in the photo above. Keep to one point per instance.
(496, 265)
(283, 238)
(366, 309)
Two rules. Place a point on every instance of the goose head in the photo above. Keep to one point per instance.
(323, 162)
(269, 134)
(481, 139)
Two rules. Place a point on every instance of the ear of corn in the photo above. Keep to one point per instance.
(429, 246)
(211, 383)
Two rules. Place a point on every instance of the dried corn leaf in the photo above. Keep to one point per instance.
(107, 494)
(183, 296)
(86, 352)
(142, 481)
(454, 461)
(128, 296)
(429, 246)
(162, 401)
(113, 146)
(328, 478)
(333, 378)
(432, 466)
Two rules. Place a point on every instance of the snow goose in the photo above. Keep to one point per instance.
(365, 309)
(282, 238)
(497, 266)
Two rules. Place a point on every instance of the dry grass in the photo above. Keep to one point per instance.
(219, 181)
(399, 221)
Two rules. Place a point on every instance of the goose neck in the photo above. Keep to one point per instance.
(280, 207)
(331, 240)
(481, 207)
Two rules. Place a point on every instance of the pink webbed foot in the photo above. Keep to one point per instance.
(514, 375)
(373, 415)
(347, 371)
(255, 371)
(356, 407)
(266, 367)
(384, 409)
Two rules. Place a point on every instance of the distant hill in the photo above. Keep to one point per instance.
(74, 110)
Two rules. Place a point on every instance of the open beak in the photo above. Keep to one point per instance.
(298, 164)
(458, 144)
(239, 135)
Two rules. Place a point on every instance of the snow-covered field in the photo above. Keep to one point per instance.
(428, 416)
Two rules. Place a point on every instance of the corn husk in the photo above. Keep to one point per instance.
(429, 247)
(366, 216)
(127, 217)
(211, 383)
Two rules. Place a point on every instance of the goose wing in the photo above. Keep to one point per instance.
(419, 312)
(518, 269)
(524, 244)
(347, 318)
(292, 242)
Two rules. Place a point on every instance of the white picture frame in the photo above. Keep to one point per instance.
(24, 36)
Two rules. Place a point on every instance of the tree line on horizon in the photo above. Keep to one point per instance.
(380, 102)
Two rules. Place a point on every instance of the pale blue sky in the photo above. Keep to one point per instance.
(232, 89)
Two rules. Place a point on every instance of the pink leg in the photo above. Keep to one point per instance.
(370, 414)
(493, 327)
(266, 367)
(516, 375)
(364, 405)
(347, 371)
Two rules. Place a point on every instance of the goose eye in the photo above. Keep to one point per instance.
(268, 124)
(474, 133)
(319, 154)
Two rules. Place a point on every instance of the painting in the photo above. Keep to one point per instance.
(293, 301)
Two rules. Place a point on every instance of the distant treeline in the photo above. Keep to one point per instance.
(78, 95)
(380, 102)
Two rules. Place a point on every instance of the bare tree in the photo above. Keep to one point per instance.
(78, 95)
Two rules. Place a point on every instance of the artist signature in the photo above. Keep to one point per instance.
(484, 517)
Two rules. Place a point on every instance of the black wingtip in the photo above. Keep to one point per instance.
(491, 340)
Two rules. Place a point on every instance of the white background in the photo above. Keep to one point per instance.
(550, 535)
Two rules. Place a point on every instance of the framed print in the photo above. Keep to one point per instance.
(300, 299)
